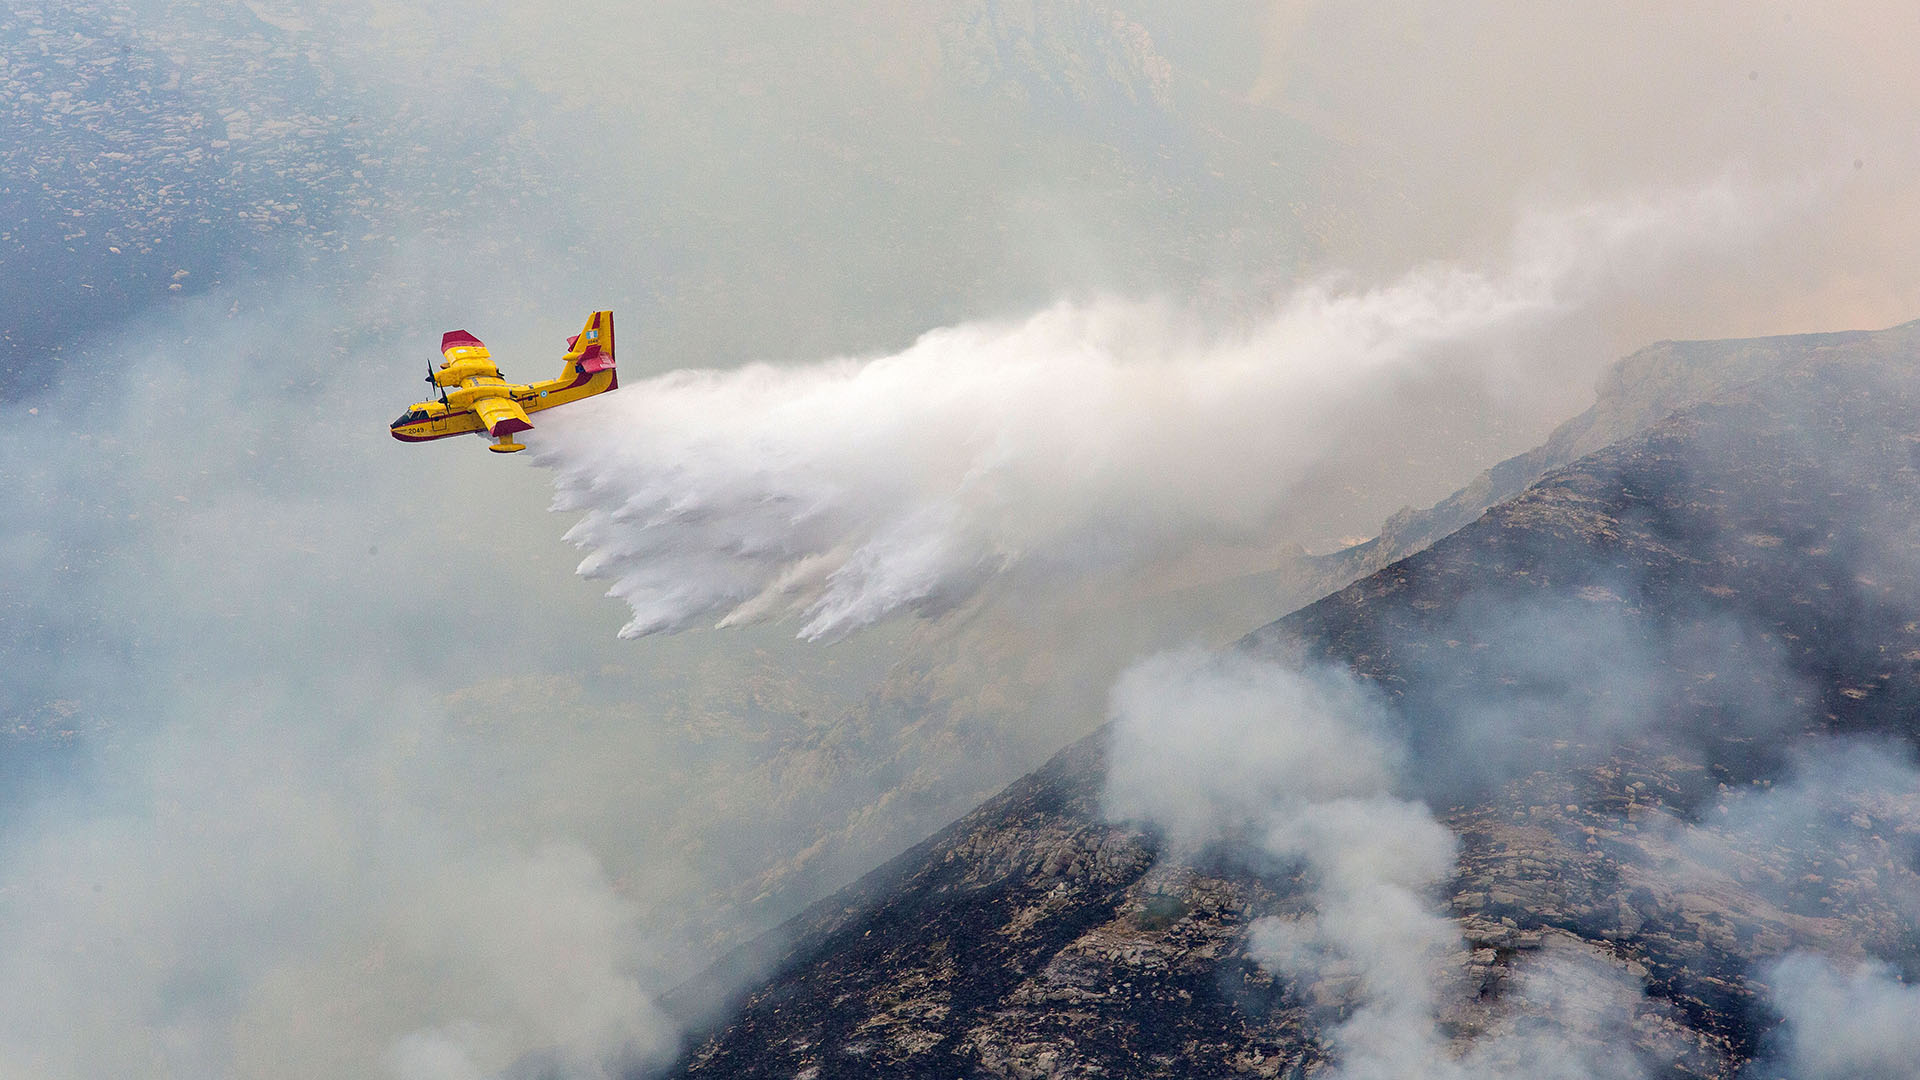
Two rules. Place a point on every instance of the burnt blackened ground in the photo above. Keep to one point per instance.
(1030, 937)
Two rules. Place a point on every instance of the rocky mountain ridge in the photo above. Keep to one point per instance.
(1633, 395)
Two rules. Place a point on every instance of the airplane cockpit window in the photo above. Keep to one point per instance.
(411, 416)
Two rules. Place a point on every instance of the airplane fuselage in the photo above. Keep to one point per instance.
(456, 417)
(477, 400)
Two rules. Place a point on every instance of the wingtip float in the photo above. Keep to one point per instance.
(474, 398)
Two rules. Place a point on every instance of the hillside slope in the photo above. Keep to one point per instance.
(1665, 630)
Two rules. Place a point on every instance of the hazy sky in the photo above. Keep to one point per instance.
(324, 759)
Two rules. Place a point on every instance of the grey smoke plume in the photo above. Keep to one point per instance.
(1088, 436)
(1554, 707)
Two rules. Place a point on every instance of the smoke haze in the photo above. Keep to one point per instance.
(320, 762)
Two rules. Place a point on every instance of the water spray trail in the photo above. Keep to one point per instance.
(1087, 436)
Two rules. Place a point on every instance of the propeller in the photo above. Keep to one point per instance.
(443, 390)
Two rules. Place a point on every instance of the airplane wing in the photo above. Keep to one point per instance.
(460, 345)
(501, 415)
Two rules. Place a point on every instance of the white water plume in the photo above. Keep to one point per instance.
(1088, 436)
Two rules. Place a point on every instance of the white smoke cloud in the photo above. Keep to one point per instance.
(1565, 1015)
(1375, 863)
(1860, 1023)
(1089, 435)
(1205, 746)
(1300, 765)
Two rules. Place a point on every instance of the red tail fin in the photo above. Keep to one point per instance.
(592, 348)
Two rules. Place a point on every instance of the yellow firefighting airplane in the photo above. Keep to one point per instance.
(474, 398)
